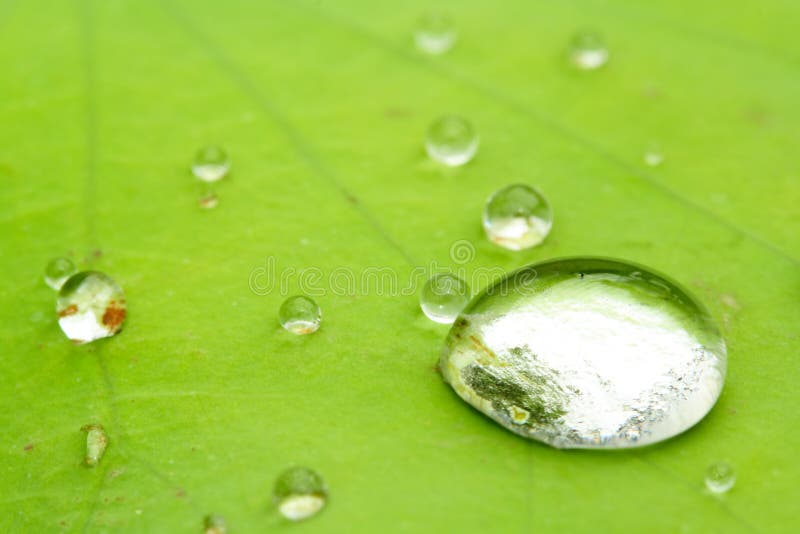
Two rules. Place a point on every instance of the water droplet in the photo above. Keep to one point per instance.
(300, 315)
(435, 33)
(653, 157)
(57, 272)
(299, 493)
(96, 443)
(214, 524)
(720, 477)
(517, 217)
(443, 297)
(451, 140)
(587, 353)
(90, 306)
(208, 201)
(588, 51)
(211, 163)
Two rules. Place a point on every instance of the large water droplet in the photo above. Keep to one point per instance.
(720, 477)
(451, 140)
(517, 217)
(587, 353)
(90, 306)
(211, 163)
(435, 33)
(57, 272)
(300, 493)
(300, 315)
(443, 297)
(588, 51)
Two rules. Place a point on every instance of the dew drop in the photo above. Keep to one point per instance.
(720, 477)
(588, 51)
(300, 315)
(517, 217)
(96, 443)
(211, 163)
(435, 33)
(214, 524)
(443, 297)
(653, 157)
(451, 140)
(57, 272)
(587, 353)
(208, 201)
(299, 493)
(90, 306)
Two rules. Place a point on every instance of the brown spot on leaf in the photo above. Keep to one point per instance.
(180, 494)
(114, 315)
(72, 309)
(29, 447)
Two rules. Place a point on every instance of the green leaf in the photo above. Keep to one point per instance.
(322, 107)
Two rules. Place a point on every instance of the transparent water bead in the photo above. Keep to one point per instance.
(443, 297)
(57, 272)
(517, 217)
(588, 51)
(90, 306)
(435, 33)
(211, 163)
(451, 140)
(300, 315)
(300, 493)
(720, 477)
(587, 353)
(653, 157)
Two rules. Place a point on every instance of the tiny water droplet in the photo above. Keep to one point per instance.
(653, 157)
(451, 140)
(588, 51)
(90, 306)
(299, 493)
(57, 272)
(214, 524)
(443, 297)
(587, 353)
(208, 201)
(435, 33)
(720, 477)
(211, 163)
(300, 315)
(96, 443)
(517, 217)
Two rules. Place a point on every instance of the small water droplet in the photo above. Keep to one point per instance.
(90, 306)
(588, 51)
(443, 297)
(451, 140)
(208, 201)
(96, 443)
(618, 357)
(653, 157)
(517, 217)
(720, 477)
(299, 493)
(57, 272)
(435, 33)
(214, 524)
(211, 163)
(300, 315)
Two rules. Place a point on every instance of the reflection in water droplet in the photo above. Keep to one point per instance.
(211, 163)
(443, 297)
(451, 140)
(208, 201)
(517, 217)
(90, 306)
(57, 272)
(299, 493)
(435, 33)
(300, 315)
(720, 477)
(588, 51)
(587, 353)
